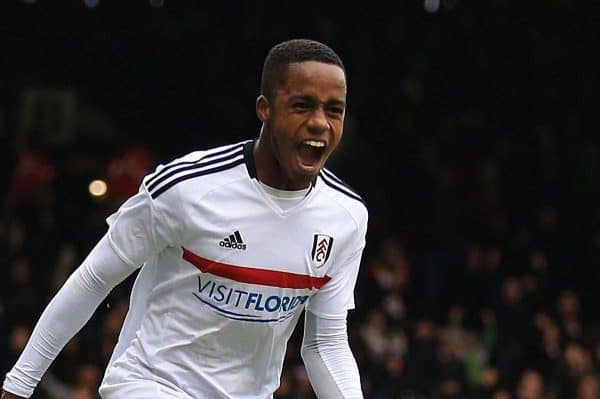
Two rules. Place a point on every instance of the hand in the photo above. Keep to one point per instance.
(8, 395)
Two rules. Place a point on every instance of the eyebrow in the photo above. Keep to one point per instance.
(305, 97)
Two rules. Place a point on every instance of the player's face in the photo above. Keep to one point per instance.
(304, 120)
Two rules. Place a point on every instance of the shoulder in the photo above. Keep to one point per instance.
(344, 196)
(214, 166)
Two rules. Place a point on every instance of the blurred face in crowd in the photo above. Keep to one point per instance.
(501, 395)
(568, 304)
(451, 388)
(424, 330)
(512, 290)
(18, 338)
(588, 388)
(531, 386)
(577, 358)
(302, 124)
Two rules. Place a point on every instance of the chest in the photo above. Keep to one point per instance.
(239, 228)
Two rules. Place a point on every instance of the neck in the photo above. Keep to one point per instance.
(268, 169)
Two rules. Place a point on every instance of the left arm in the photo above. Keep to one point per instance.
(329, 363)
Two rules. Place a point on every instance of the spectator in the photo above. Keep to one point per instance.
(588, 387)
(531, 386)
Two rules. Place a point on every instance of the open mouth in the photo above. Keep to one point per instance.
(311, 153)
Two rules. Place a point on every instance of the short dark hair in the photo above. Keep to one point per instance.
(293, 51)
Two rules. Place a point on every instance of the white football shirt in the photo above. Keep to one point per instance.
(226, 273)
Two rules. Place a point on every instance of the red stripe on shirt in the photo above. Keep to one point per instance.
(251, 275)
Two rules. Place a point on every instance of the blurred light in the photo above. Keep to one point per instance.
(157, 3)
(97, 188)
(432, 5)
(91, 3)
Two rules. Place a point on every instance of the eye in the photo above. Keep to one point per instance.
(336, 111)
(301, 105)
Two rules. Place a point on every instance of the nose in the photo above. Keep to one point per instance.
(318, 121)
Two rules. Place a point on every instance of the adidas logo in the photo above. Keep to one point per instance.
(234, 241)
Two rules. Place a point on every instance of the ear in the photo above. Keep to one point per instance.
(263, 108)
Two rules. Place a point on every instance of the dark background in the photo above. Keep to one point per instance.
(471, 132)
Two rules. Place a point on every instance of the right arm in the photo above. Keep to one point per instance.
(141, 228)
(65, 315)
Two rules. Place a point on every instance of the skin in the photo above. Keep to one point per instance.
(310, 103)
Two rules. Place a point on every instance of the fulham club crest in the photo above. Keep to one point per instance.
(321, 249)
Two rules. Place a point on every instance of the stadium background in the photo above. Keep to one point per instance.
(472, 133)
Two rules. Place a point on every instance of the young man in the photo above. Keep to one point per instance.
(235, 242)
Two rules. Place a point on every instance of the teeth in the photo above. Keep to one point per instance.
(314, 143)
